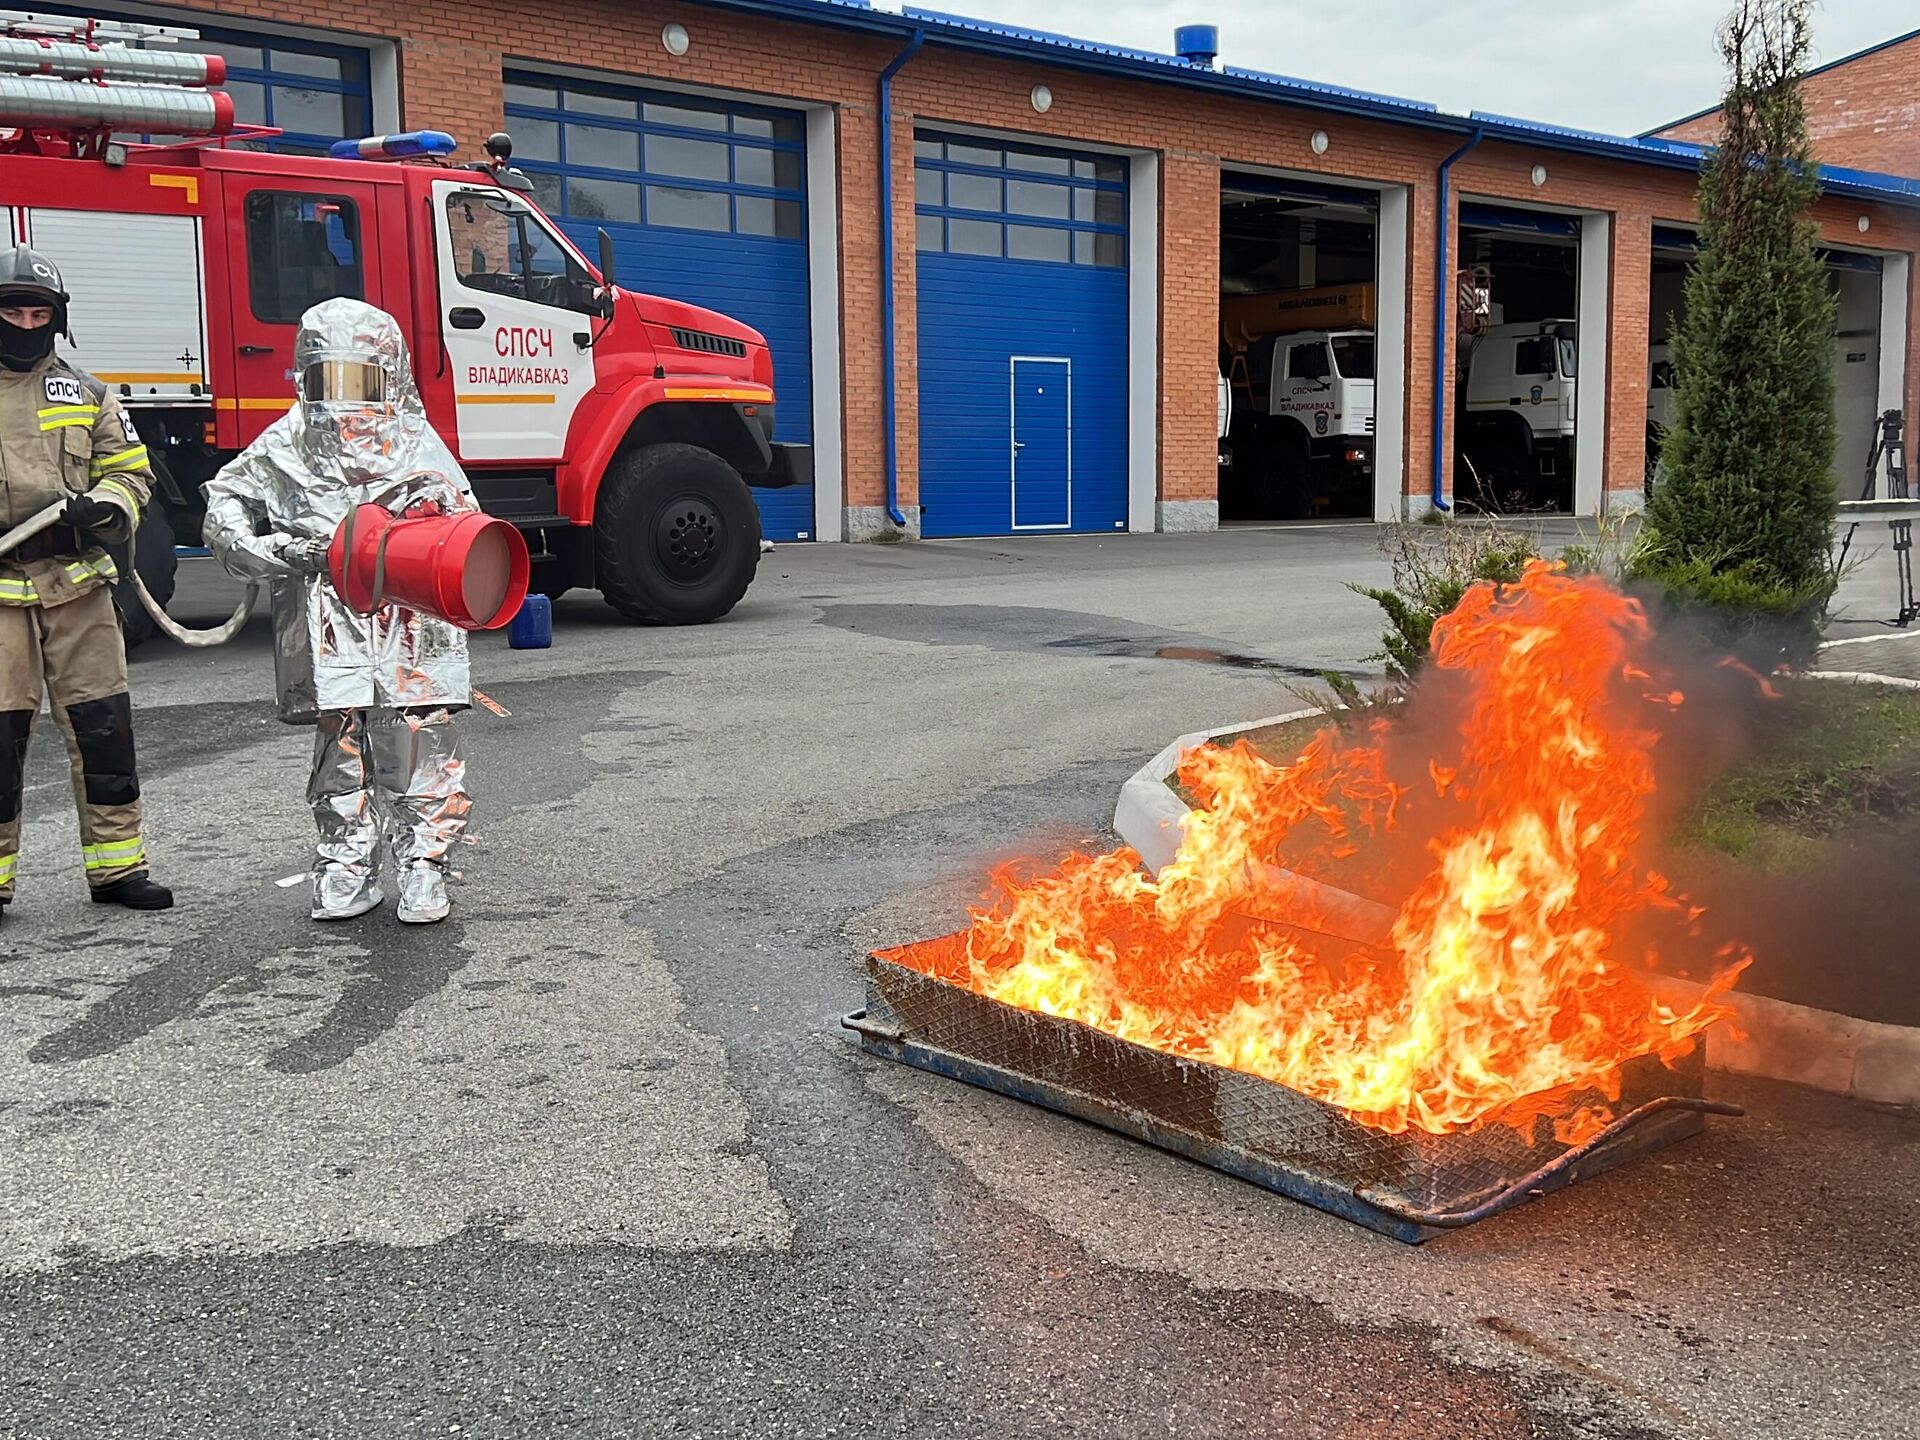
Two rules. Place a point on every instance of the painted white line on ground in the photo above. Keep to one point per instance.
(1826, 645)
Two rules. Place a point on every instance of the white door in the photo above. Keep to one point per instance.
(515, 307)
(1306, 385)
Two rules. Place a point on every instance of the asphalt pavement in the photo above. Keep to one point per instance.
(596, 1158)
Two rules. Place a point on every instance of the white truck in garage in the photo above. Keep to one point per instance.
(1302, 432)
(1514, 424)
(1300, 437)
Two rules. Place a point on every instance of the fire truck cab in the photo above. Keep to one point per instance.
(619, 431)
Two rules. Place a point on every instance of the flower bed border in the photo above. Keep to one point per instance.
(1822, 1049)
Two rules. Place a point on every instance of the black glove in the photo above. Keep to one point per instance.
(86, 513)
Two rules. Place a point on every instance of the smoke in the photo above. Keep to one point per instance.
(1836, 934)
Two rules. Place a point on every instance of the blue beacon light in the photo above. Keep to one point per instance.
(407, 145)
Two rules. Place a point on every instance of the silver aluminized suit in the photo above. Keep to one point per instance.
(381, 688)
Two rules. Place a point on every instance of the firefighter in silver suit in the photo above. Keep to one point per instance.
(381, 688)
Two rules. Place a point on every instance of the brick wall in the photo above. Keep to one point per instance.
(450, 63)
(1863, 112)
(1189, 325)
(1196, 139)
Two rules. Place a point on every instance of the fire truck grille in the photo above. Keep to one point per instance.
(1369, 424)
(711, 344)
(1408, 1186)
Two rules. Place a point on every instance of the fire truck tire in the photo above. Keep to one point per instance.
(676, 535)
(1289, 489)
(153, 557)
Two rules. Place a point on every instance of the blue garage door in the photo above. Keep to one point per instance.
(705, 201)
(1023, 338)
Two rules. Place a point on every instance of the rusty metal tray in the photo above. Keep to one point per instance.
(1410, 1186)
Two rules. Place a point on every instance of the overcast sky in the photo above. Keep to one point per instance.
(1622, 66)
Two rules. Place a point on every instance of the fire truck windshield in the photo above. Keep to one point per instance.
(1353, 354)
(506, 248)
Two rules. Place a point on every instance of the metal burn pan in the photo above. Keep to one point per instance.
(1409, 1186)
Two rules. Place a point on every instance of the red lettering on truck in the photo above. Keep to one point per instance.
(522, 341)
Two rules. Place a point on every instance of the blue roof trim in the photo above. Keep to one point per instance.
(989, 37)
(1677, 147)
(1041, 37)
(1266, 77)
(1542, 127)
(1832, 176)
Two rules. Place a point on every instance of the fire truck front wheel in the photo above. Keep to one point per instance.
(676, 535)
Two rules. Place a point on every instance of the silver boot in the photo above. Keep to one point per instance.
(342, 894)
(423, 896)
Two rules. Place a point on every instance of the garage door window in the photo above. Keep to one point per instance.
(1049, 208)
(312, 92)
(600, 153)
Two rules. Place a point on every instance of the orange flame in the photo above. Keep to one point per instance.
(1493, 992)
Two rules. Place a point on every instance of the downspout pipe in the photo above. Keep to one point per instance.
(889, 418)
(1444, 303)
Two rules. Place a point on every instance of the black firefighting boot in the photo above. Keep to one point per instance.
(136, 892)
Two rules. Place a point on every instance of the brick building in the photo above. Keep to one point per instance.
(1863, 110)
(1046, 230)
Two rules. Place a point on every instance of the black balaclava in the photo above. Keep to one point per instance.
(21, 348)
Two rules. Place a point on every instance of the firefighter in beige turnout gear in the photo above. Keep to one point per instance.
(64, 437)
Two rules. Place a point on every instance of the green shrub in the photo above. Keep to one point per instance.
(1432, 568)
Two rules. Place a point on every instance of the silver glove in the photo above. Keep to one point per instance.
(301, 555)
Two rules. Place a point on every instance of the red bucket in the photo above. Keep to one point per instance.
(468, 569)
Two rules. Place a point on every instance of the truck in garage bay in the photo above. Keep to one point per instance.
(1300, 368)
(1300, 364)
(619, 431)
(1514, 423)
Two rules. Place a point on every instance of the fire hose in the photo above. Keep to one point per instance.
(199, 639)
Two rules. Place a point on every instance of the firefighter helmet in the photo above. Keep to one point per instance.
(27, 275)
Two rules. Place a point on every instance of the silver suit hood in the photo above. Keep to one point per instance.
(300, 480)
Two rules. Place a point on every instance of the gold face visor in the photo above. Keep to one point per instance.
(349, 382)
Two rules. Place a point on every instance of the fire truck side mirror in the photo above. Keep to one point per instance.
(606, 259)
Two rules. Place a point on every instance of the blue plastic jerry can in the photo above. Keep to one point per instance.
(532, 625)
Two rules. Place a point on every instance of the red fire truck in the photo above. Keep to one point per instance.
(619, 431)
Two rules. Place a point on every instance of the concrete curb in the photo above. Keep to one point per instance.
(1149, 816)
(1865, 677)
(1770, 1038)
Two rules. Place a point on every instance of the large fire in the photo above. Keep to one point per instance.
(1495, 992)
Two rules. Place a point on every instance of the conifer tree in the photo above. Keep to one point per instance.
(1741, 521)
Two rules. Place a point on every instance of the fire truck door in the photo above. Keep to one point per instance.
(1306, 385)
(294, 247)
(516, 303)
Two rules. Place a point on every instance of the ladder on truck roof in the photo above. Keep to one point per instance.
(137, 34)
(69, 86)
